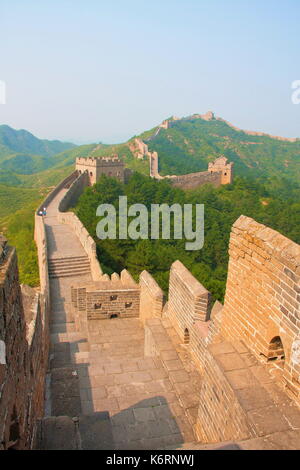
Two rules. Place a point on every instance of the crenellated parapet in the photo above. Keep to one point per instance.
(219, 172)
(221, 165)
(97, 166)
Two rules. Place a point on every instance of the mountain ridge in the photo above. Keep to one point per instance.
(24, 153)
(210, 116)
(184, 145)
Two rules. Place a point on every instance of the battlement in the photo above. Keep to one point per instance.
(219, 172)
(98, 161)
(96, 166)
(234, 369)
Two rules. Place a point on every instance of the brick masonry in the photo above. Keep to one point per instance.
(262, 299)
(188, 299)
(107, 300)
(118, 296)
(25, 340)
(152, 297)
(219, 172)
(239, 399)
(246, 351)
(95, 167)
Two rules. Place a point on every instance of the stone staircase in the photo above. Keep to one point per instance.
(67, 267)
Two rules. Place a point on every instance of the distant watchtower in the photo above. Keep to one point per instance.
(221, 165)
(97, 166)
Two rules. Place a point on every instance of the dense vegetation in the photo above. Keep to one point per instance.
(31, 167)
(17, 208)
(272, 202)
(189, 145)
(19, 229)
(15, 198)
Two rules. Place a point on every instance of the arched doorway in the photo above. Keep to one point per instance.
(276, 351)
(186, 336)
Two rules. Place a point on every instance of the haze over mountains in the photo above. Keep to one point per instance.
(187, 145)
(22, 152)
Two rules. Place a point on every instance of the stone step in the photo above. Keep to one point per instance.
(68, 260)
(69, 274)
(66, 264)
(69, 267)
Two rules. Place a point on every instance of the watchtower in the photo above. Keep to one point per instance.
(97, 166)
(221, 165)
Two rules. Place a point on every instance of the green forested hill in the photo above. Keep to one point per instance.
(19, 198)
(273, 202)
(30, 168)
(22, 152)
(188, 145)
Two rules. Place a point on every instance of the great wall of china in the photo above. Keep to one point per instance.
(121, 367)
(219, 172)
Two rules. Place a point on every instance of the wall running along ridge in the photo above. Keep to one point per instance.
(24, 341)
(219, 172)
(193, 180)
(233, 345)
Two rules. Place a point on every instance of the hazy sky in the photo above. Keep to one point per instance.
(85, 70)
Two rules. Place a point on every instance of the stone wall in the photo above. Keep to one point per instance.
(41, 244)
(101, 299)
(153, 161)
(95, 167)
(220, 415)
(24, 345)
(76, 189)
(193, 180)
(37, 336)
(221, 164)
(112, 302)
(188, 300)
(27, 327)
(152, 297)
(262, 301)
(65, 183)
(41, 240)
(240, 399)
(189, 311)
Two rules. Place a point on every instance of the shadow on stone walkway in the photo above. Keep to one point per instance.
(148, 424)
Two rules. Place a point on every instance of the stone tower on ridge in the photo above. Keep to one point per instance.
(97, 166)
(222, 165)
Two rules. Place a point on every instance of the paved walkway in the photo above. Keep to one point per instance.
(106, 371)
